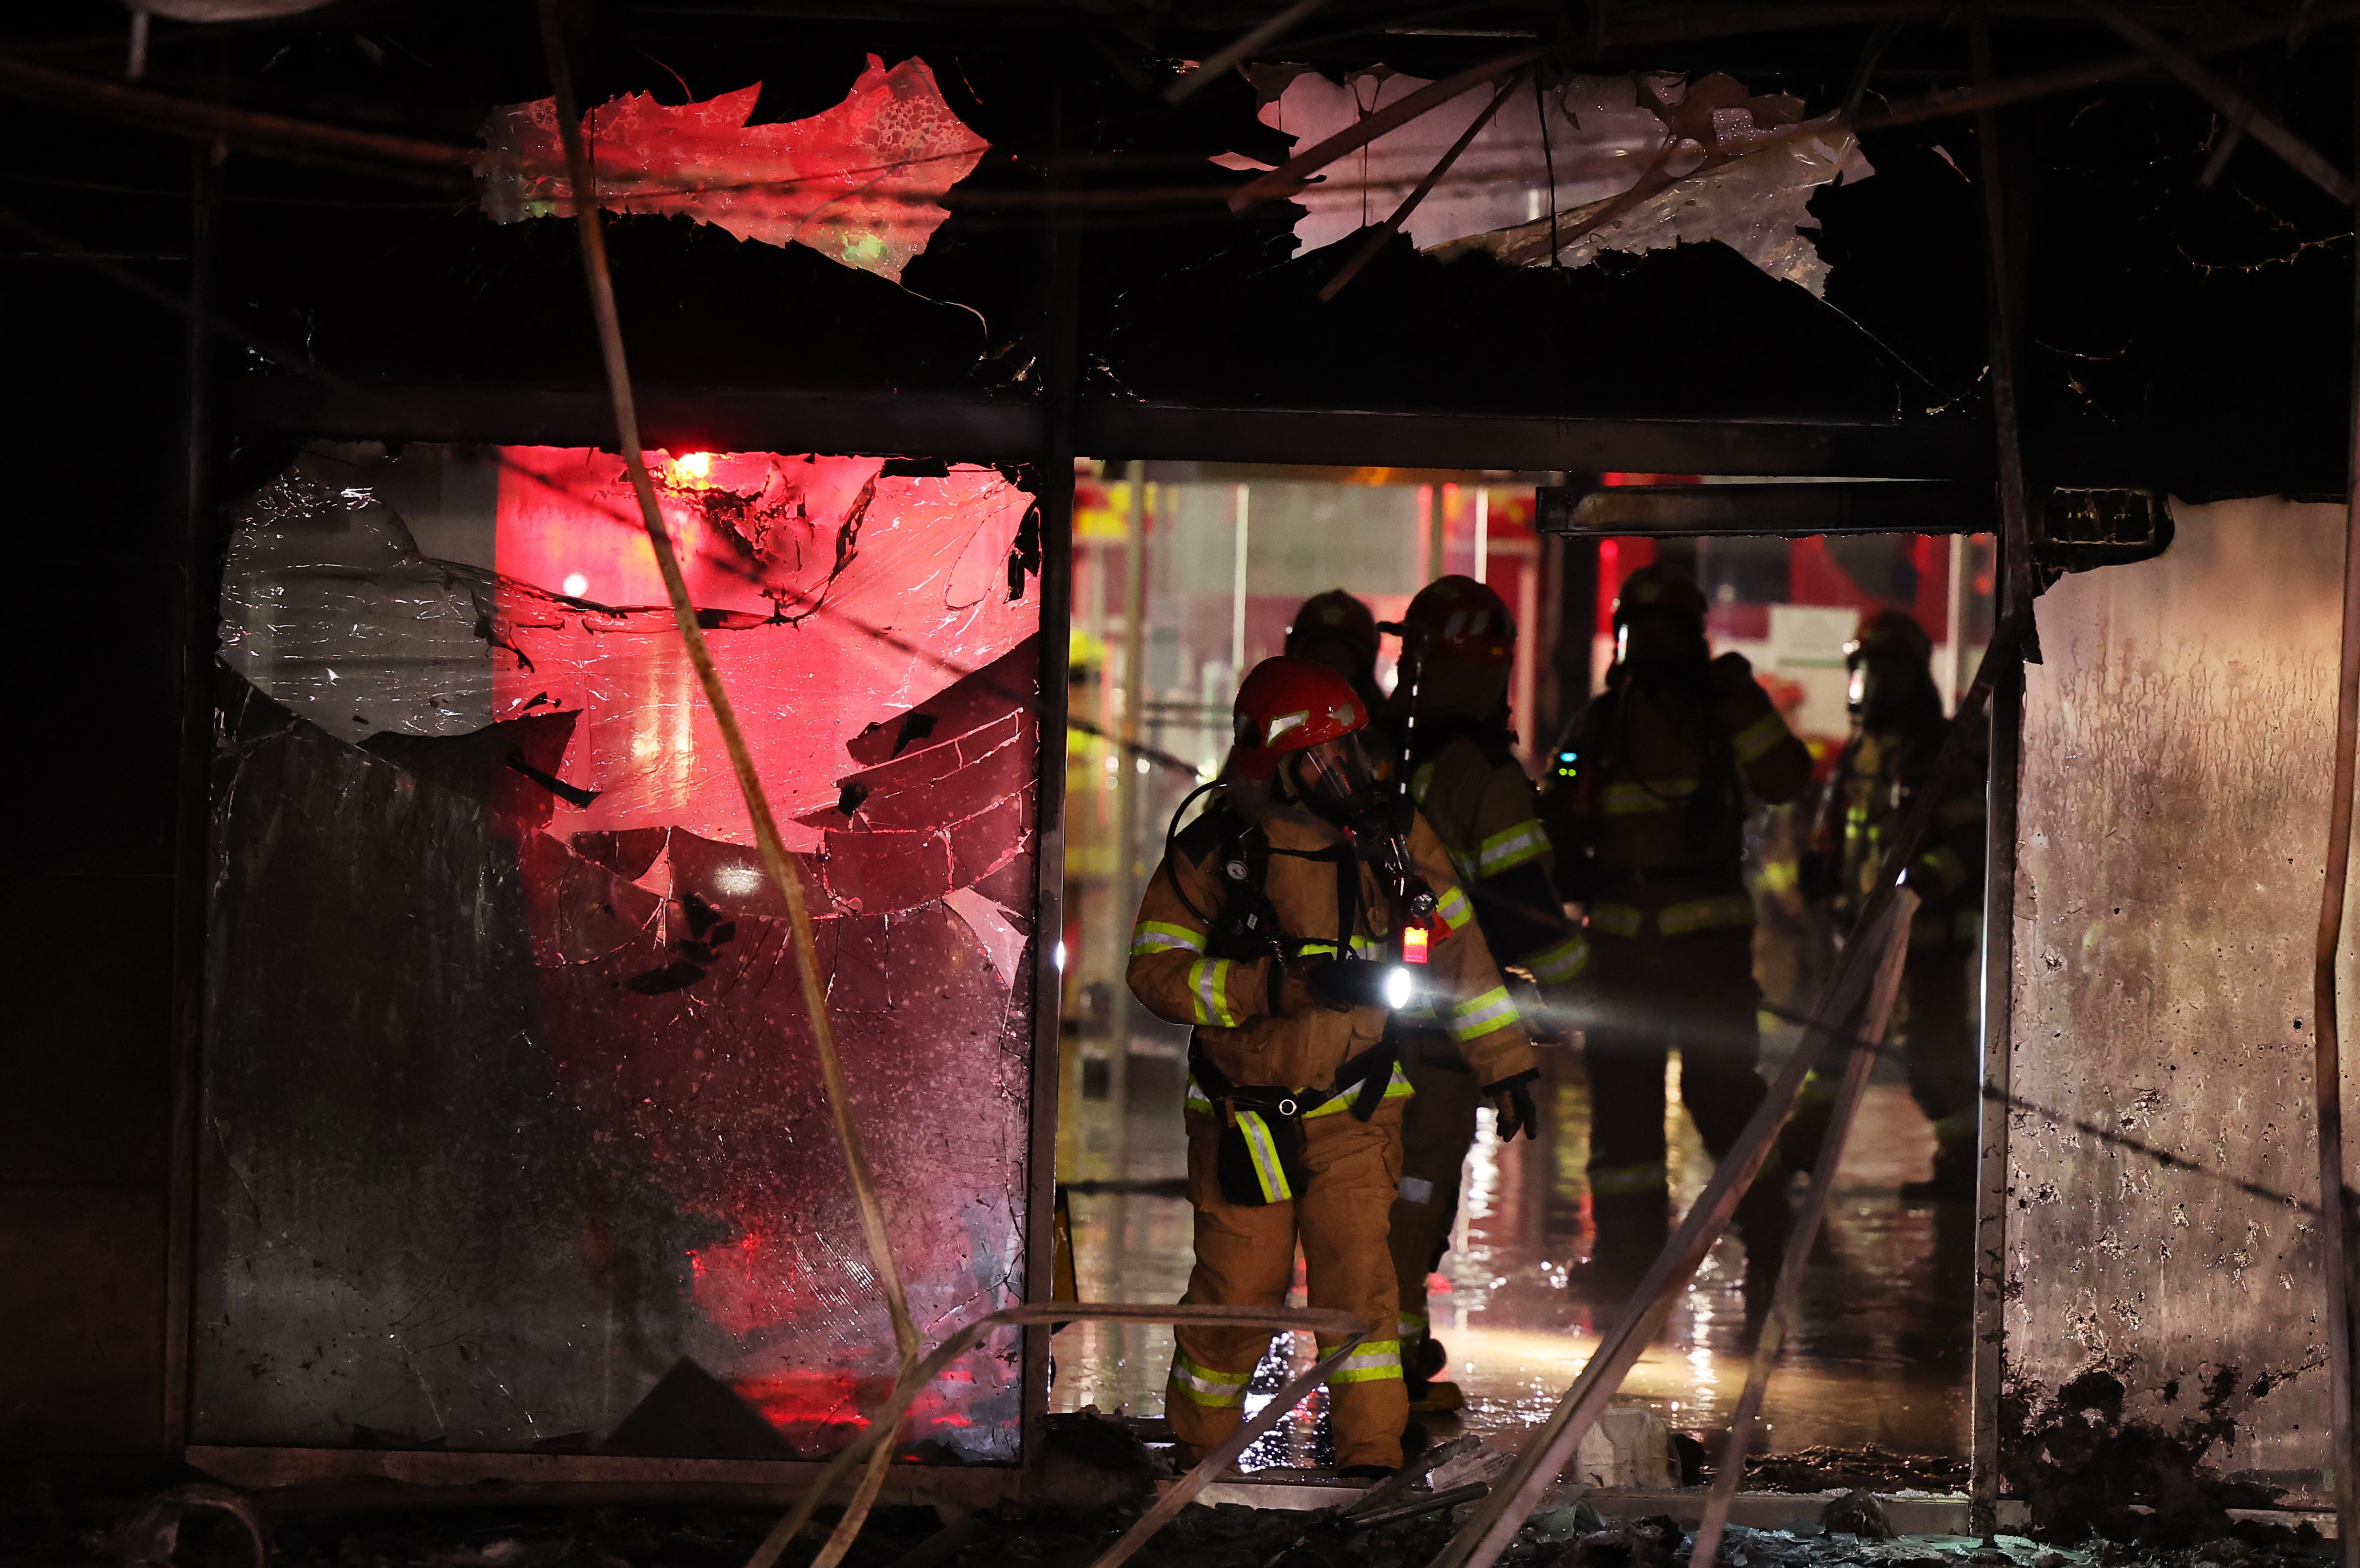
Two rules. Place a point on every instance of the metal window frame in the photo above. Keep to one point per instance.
(1047, 432)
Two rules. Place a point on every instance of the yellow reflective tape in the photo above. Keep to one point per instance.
(1453, 910)
(1372, 1361)
(1268, 1172)
(1420, 782)
(1478, 1017)
(1759, 737)
(1510, 848)
(1197, 1100)
(1821, 1087)
(1162, 935)
(1780, 876)
(1705, 915)
(1617, 919)
(1560, 963)
(1397, 1088)
(1410, 1325)
(1659, 794)
(1208, 1385)
(1621, 1180)
(1209, 978)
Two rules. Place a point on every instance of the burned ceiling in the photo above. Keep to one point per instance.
(2151, 293)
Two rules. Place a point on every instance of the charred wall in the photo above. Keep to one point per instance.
(2173, 824)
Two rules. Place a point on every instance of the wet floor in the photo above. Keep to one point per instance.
(1878, 1353)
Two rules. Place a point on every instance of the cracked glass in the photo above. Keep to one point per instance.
(513, 1135)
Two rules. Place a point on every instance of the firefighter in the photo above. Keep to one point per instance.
(1649, 830)
(1336, 630)
(1897, 729)
(1447, 723)
(1283, 924)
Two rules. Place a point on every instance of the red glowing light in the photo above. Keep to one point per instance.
(1413, 942)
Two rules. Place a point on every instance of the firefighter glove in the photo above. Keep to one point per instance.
(1346, 983)
(1517, 1112)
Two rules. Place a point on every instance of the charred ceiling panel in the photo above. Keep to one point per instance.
(513, 1131)
(2163, 1171)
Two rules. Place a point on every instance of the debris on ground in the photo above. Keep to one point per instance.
(1856, 1513)
(47, 1524)
(1829, 1468)
(1650, 1542)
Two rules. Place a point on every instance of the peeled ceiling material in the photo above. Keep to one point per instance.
(1640, 161)
(1757, 203)
(1601, 135)
(861, 183)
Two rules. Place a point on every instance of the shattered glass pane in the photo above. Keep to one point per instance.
(515, 1136)
(858, 183)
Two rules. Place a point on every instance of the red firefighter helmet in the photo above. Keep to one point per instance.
(1658, 586)
(1457, 619)
(1335, 614)
(1291, 704)
(1892, 632)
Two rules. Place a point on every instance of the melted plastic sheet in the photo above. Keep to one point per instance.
(861, 183)
(514, 1136)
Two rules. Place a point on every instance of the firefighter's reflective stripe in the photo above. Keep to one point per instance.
(1479, 1015)
(1162, 935)
(1958, 1127)
(1421, 782)
(1397, 1088)
(1208, 1385)
(1636, 799)
(1362, 947)
(1705, 915)
(1268, 1172)
(1209, 980)
(1372, 1361)
(1821, 1087)
(1560, 963)
(1410, 1326)
(1779, 876)
(1452, 910)
(1754, 741)
(1617, 919)
(1622, 1180)
(1197, 1100)
(1510, 848)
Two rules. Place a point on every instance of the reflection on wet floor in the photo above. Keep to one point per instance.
(1878, 1353)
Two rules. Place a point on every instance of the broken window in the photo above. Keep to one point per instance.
(513, 1131)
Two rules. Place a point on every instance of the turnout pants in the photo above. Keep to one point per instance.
(1653, 995)
(1933, 1021)
(1245, 1256)
(1437, 1129)
(1944, 1052)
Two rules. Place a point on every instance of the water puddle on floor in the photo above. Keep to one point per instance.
(1878, 1353)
